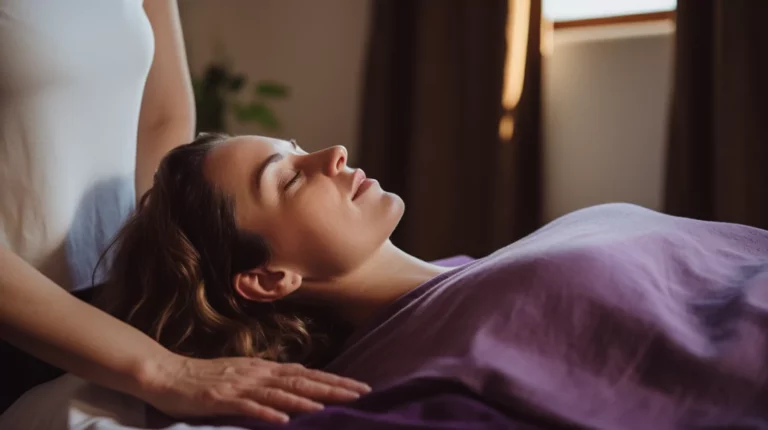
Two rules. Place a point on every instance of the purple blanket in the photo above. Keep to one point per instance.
(612, 317)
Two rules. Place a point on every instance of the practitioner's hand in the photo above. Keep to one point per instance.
(185, 387)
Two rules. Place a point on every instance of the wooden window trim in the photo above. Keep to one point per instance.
(613, 20)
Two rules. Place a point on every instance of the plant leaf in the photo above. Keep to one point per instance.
(259, 113)
(271, 89)
(214, 76)
(236, 82)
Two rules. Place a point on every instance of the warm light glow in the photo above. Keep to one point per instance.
(517, 44)
(547, 37)
(506, 127)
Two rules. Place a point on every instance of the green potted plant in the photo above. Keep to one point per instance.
(217, 93)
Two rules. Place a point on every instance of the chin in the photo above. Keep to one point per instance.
(394, 208)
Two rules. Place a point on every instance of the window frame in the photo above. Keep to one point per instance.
(669, 15)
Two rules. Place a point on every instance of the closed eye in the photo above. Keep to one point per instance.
(293, 181)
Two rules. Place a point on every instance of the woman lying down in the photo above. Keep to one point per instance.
(613, 316)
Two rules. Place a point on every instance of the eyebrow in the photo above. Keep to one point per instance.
(274, 158)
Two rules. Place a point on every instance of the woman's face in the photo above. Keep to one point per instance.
(317, 216)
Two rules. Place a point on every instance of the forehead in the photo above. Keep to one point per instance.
(231, 162)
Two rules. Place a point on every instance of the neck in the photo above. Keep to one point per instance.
(358, 296)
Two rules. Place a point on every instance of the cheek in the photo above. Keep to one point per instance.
(332, 224)
(334, 236)
(311, 224)
(326, 235)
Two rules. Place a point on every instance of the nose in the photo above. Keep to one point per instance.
(337, 160)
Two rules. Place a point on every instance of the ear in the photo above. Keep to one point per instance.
(265, 285)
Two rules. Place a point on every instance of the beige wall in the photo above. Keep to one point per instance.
(315, 47)
(606, 101)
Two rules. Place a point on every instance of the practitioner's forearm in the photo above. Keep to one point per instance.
(41, 318)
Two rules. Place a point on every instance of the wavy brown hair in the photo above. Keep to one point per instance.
(172, 266)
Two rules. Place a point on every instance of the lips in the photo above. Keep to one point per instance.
(357, 180)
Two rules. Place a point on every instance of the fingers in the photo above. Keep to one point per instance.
(323, 378)
(283, 400)
(252, 409)
(308, 388)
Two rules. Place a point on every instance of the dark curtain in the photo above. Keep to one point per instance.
(718, 147)
(430, 124)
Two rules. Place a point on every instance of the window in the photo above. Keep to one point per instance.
(579, 10)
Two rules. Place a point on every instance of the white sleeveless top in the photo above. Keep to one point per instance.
(72, 74)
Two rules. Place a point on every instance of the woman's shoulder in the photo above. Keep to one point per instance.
(585, 229)
(607, 213)
(625, 245)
